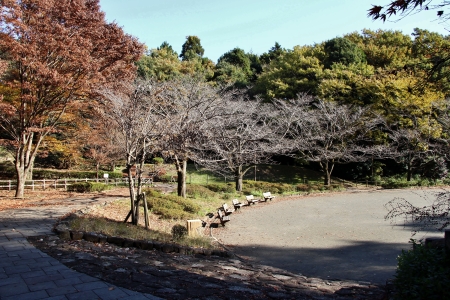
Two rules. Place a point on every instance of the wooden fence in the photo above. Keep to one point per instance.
(63, 183)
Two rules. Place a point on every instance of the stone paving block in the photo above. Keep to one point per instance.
(69, 273)
(36, 273)
(88, 286)
(110, 293)
(28, 296)
(35, 280)
(5, 262)
(28, 255)
(14, 289)
(56, 268)
(87, 278)
(25, 261)
(11, 280)
(143, 297)
(60, 297)
(39, 265)
(13, 247)
(68, 281)
(83, 296)
(42, 286)
(16, 269)
(64, 290)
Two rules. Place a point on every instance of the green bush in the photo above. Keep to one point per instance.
(158, 160)
(422, 273)
(263, 186)
(396, 182)
(179, 232)
(221, 188)
(171, 207)
(53, 174)
(199, 191)
(88, 187)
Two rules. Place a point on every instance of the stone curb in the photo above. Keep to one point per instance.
(64, 233)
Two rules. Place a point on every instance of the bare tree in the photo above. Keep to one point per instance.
(133, 112)
(245, 135)
(328, 132)
(190, 103)
(435, 215)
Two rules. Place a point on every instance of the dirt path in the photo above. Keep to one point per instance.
(339, 236)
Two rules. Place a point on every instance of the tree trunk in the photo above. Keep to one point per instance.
(409, 168)
(20, 188)
(97, 167)
(132, 193)
(327, 169)
(181, 180)
(24, 160)
(239, 177)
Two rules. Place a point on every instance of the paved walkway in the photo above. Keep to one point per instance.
(28, 273)
(329, 236)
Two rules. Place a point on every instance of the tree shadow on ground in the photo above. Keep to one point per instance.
(365, 261)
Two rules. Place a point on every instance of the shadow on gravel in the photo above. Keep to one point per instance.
(366, 261)
(174, 276)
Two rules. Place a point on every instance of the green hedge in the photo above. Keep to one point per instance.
(170, 206)
(51, 174)
(422, 273)
(88, 187)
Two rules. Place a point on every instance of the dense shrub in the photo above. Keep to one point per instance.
(88, 187)
(171, 207)
(263, 186)
(53, 174)
(423, 273)
(396, 182)
(221, 188)
(158, 160)
(199, 191)
(179, 232)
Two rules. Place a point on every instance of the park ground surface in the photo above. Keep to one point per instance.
(330, 236)
(331, 246)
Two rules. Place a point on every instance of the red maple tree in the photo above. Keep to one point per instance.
(58, 52)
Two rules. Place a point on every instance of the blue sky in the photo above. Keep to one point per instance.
(252, 25)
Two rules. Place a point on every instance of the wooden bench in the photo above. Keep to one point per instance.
(227, 210)
(267, 196)
(251, 200)
(223, 219)
(237, 205)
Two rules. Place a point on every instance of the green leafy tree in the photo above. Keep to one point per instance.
(298, 70)
(274, 52)
(344, 51)
(386, 49)
(234, 67)
(166, 45)
(161, 64)
(192, 48)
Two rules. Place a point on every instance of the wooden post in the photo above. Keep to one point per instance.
(56, 184)
(65, 184)
(43, 185)
(145, 211)
(192, 226)
(9, 185)
(32, 185)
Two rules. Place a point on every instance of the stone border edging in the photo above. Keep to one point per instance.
(139, 244)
